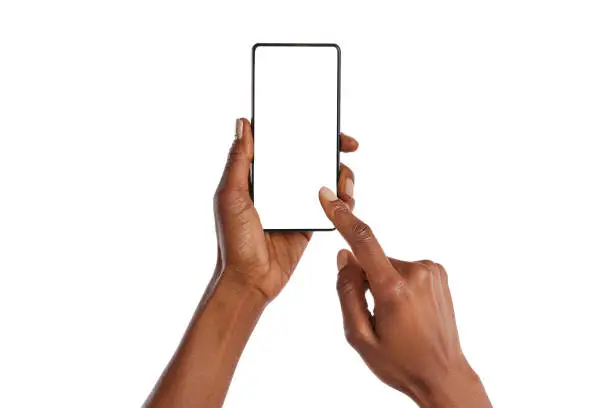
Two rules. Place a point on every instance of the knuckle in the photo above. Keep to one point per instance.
(344, 285)
(422, 275)
(232, 199)
(393, 291)
(400, 289)
(362, 231)
(428, 264)
(223, 195)
(354, 337)
(435, 268)
(443, 273)
(339, 209)
(235, 153)
(241, 202)
(432, 267)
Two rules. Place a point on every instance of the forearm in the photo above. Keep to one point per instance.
(200, 372)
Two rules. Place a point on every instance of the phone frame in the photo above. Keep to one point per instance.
(252, 175)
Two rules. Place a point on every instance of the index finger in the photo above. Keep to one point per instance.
(360, 237)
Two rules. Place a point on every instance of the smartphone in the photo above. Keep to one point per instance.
(295, 102)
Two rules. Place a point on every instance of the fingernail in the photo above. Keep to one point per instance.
(349, 186)
(342, 259)
(239, 126)
(327, 194)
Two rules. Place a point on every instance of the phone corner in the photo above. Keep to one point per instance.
(255, 46)
(337, 47)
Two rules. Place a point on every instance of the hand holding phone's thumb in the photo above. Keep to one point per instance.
(236, 174)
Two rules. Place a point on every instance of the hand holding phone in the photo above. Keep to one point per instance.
(254, 258)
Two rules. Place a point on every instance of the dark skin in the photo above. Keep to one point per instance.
(411, 342)
(262, 260)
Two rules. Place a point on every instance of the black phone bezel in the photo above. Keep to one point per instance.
(252, 176)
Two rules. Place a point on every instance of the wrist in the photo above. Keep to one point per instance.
(239, 294)
(457, 387)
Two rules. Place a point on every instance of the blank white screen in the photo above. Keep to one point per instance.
(295, 111)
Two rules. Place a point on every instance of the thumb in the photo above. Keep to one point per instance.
(236, 173)
(352, 285)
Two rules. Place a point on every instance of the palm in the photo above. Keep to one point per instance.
(284, 251)
(271, 256)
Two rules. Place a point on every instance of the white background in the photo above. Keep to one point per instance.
(485, 133)
(296, 134)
